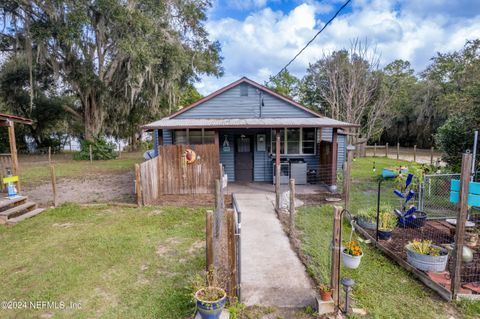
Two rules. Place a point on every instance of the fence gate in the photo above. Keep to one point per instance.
(434, 196)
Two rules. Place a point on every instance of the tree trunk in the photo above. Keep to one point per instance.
(92, 117)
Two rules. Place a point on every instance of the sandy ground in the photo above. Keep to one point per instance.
(107, 188)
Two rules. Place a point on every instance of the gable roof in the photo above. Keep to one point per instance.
(252, 83)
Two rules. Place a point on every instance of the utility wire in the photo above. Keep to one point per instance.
(313, 39)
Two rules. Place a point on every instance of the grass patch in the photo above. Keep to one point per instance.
(115, 262)
(34, 172)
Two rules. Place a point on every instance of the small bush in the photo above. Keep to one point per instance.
(101, 150)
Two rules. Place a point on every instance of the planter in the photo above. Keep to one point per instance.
(389, 173)
(366, 224)
(410, 222)
(350, 261)
(326, 295)
(210, 309)
(427, 262)
(384, 234)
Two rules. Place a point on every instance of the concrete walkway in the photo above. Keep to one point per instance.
(272, 274)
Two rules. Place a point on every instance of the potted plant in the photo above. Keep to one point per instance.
(367, 218)
(352, 255)
(424, 255)
(210, 299)
(325, 292)
(386, 224)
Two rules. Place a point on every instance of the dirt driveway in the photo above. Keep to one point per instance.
(103, 188)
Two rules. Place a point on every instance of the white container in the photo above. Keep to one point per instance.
(350, 261)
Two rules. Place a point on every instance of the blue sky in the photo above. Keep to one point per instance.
(258, 37)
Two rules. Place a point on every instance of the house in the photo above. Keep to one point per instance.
(244, 119)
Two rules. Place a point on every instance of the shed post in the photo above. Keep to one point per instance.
(461, 220)
(277, 169)
(334, 156)
(13, 150)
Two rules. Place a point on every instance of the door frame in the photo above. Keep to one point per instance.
(251, 136)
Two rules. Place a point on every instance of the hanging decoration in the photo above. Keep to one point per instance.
(190, 156)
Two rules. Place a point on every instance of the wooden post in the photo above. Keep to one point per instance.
(415, 153)
(138, 185)
(119, 150)
(90, 153)
(216, 139)
(461, 220)
(277, 169)
(232, 254)
(13, 151)
(431, 155)
(209, 239)
(386, 150)
(292, 204)
(218, 190)
(54, 185)
(49, 155)
(398, 151)
(346, 178)
(375, 150)
(334, 156)
(335, 271)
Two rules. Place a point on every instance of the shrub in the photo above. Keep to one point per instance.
(101, 150)
(455, 137)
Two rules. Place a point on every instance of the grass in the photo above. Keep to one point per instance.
(115, 262)
(35, 170)
(383, 289)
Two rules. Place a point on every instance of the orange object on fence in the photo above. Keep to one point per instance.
(190, 156)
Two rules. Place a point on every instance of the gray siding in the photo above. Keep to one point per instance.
(230, 104)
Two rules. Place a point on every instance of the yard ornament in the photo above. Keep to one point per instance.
(190, 156)
(406, 215)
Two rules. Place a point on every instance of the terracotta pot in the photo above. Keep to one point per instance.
(326, 295)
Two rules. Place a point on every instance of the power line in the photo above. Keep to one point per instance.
(313, 39)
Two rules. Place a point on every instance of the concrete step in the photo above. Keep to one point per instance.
(7, 202)
(16, 211)
(17, 219)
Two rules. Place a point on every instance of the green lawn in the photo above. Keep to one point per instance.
(33, 172)
(115, 262)
(383, 289)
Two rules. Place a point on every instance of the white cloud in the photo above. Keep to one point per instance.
(266, 40)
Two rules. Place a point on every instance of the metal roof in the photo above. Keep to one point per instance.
(168, 123)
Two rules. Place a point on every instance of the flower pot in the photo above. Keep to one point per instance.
(427, 262)
(350, 261)
(326, 295)
(384, 234)
(366, 224)
(210, 309)
(411, 222)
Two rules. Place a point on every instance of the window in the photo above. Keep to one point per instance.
(208, 137)
(308, 140)
(295, 141)
(180, 137)
(194, 136)
(282, 141)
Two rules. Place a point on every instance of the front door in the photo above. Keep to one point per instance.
(244, 159)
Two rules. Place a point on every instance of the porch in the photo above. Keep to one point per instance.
(310, 155)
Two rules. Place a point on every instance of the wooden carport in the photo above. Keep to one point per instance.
(10, 160)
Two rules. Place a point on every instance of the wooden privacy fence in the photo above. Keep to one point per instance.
(169, 173)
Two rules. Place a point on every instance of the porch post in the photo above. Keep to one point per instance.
(334, 156)
(277, 168)
(155, 142)
(13, 150)
(217, 142)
